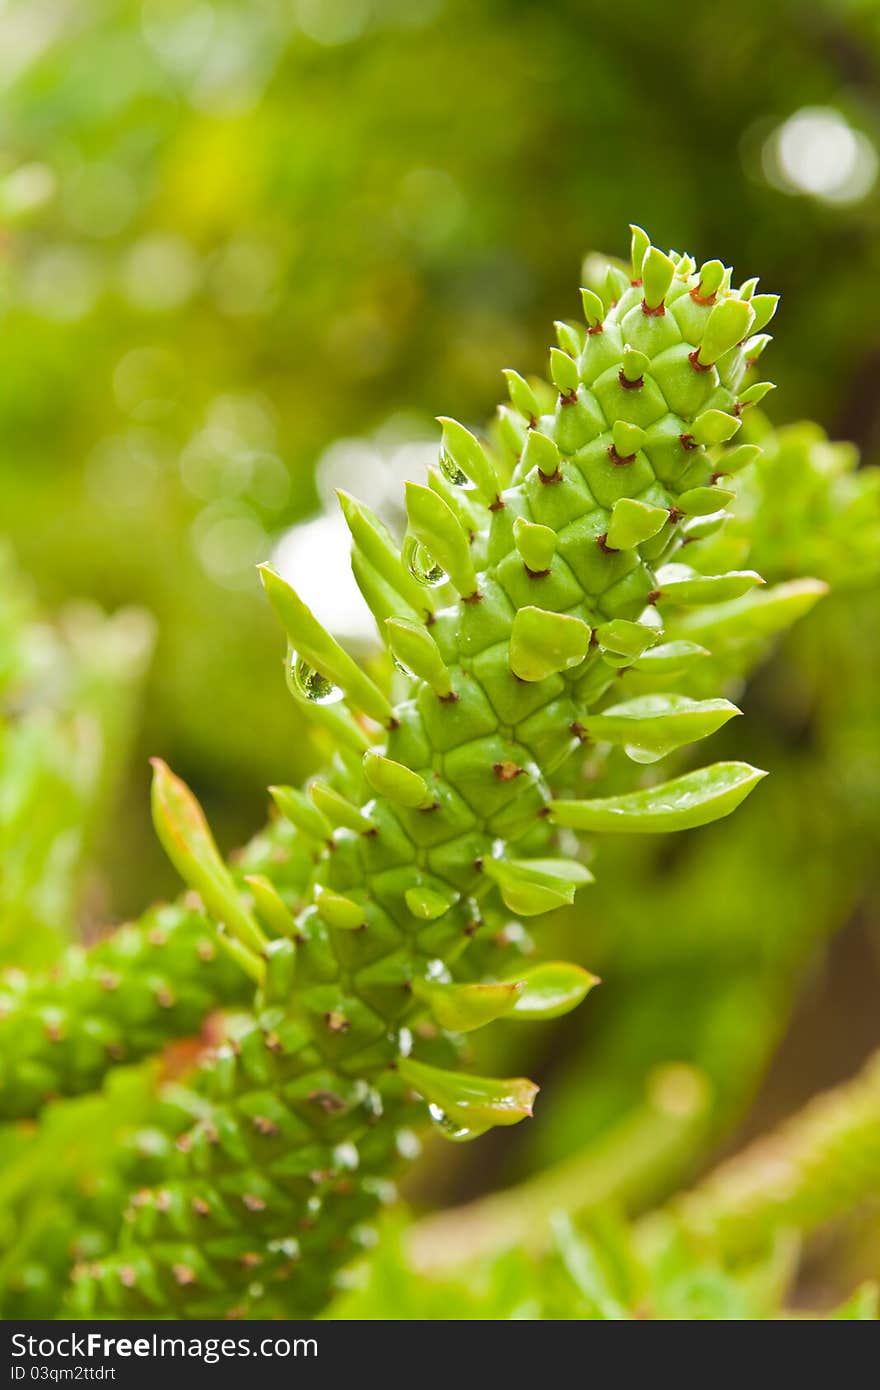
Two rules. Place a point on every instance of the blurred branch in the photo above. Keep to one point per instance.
(626, 1166)
(823, 1162)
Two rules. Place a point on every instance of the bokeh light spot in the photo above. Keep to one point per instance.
(817, 152)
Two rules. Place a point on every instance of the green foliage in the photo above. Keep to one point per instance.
(68, 701)
(124, 999)
(198, 305)
(728, 1249)
(418, 867)
(372, 918)
(706, 979)
(597, 1273)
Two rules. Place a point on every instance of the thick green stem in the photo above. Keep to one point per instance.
(424, 844)
(822, 1163)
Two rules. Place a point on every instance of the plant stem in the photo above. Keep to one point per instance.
(626, 1167)
(818, 1165)
(821, 1163)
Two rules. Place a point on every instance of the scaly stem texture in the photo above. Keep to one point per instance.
(526, 616)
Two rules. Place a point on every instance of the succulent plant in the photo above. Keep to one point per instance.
(539, 606)
(535, 575)
(728, 1249)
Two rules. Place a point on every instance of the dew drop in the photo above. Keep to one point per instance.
(457, 1134)
(421, 565)
(451, 471)
(637, 754)
(310, 683)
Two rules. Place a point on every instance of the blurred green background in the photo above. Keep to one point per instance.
(250, 248)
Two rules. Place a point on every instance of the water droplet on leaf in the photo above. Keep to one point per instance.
(451, 471)
(643, 755)
(458, 1134)
(421, 565)
(311, 683)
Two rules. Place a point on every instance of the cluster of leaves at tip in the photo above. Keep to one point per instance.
(416, 284)
(532, 612)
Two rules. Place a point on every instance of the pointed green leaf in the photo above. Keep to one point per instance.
(623, 638)
(338, 911)
(711, 279)
(473, 1102)
(430, 903)
(470, 458)
(463, 1008)
(253, 965)
(755, 347)
(594, 309)
(542, 643)
(703, 501)
(651, 726)
(336, 720)
(670, 658)
(756, 393)
(696, 528)
(296, 807)
(755, 615)
(639, 246)
(532, 886)
(378, 546)
(634, 364)
(338, 809)
(616, 283)
(715, 427)
(522, 395)
(563, 371)
(536, 544)
(512, 430)
(461, 501)
(438, 529)
(765, 306)
(658, 273)
(396, 781)
(628, 439)
(187, 840)
(382, 601)
(727, 325)
(320, 650)
(551, 989)
(695, 799)
(569, 337)
(417, 652)
(271, 907)
(633, 522)
(540, 452)
(681, 584)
